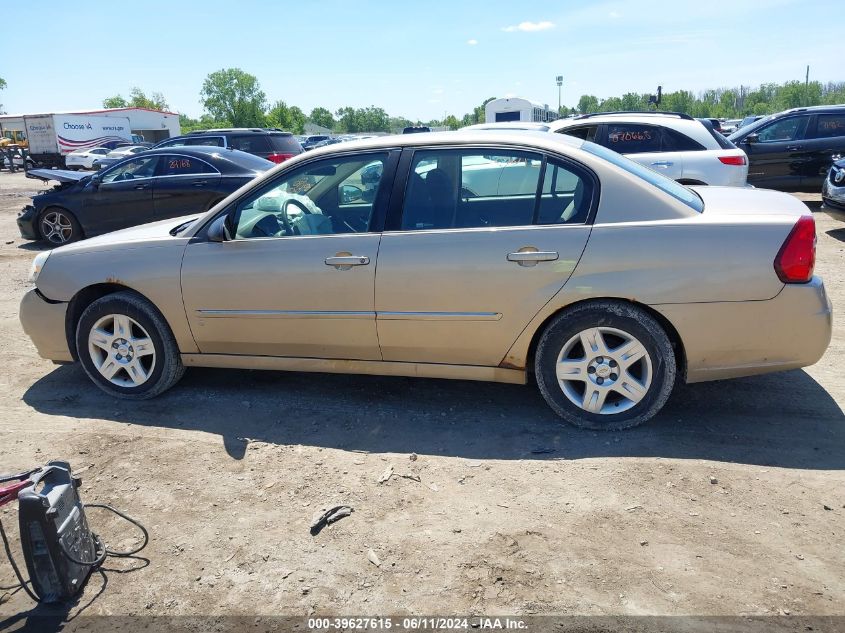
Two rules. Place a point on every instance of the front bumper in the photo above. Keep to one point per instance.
(44, 323)
(744, 338)
(27, 223)
(833, 194)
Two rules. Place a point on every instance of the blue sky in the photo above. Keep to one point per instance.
(418, 60)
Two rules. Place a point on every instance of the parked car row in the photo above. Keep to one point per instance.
(499, 255)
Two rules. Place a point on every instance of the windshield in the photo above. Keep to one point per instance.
(667, 185)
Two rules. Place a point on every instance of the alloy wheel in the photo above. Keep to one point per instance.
(56, 227)
(121, 350)
(604, 370)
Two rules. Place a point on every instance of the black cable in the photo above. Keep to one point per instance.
(19, 476)
(14, 565)
(104, 551)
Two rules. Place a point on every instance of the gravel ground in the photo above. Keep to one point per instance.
(730, 502)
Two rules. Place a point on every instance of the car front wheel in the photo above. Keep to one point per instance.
(605, 366)
(59, 226)
(127, 348)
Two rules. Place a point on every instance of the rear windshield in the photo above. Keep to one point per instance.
(720, 138)
(667, 185)
(285, 143)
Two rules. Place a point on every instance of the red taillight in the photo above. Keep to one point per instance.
(279, 158)
(732, 160)
(797, 257)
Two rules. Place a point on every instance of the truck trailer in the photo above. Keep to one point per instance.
(52, 136)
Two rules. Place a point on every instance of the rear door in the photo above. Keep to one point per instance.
(778, 155)
(123, 196)
(183, 184)
(643, 143)
(477, 241)
(825, 140)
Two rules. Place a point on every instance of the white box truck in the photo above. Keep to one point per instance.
(52, 136)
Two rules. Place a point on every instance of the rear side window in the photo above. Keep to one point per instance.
(285, 143)
(217, 141)
(491, 188)
(183, 166)
(585, 133)
(829, 125)
(252, 143)
(629, 138)
(674, 141)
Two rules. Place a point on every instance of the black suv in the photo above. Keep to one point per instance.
(793, 150)
(271, 143)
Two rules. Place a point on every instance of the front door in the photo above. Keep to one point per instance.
(778, 154)
(121, 197)
(297, 279)
(476, 252)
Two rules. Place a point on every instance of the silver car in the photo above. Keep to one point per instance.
(473, 255)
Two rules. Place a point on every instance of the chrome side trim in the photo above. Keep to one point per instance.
(342, 314)
(285, 314)
(370, 367)
(439, 316)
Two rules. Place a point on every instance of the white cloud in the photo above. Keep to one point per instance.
(437, 91)
(615, 15)
(472, 42)
(530, 27)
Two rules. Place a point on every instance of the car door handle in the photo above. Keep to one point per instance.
(345, 262)
(662, 163)
(526, 257)
(199, 183)
(793, 148)
(139, 187)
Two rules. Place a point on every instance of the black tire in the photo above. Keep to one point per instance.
(73, 234)
(167, 368)
(620, 316)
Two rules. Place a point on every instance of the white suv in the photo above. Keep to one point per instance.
(674, 144)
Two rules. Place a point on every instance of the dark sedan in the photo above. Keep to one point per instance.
(156, 185)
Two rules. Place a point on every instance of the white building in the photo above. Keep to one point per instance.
(153, 125)
(517, 109)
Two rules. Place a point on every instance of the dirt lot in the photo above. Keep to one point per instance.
(512, 513)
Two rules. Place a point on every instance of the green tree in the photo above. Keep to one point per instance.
(321, 117)
(115, 102)
(2, 87)
(588, 104)
(289, 118)
(451, 122)
(234, 96)
(137, 99)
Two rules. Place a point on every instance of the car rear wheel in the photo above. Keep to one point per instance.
(59, 226)
(127, 348)
(605, 365)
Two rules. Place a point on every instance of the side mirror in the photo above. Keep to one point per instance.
(350, 193)
(752, 138)
(219, 231)
(95, 180)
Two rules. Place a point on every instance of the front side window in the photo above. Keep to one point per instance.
(782, 130)
(131, 170)
(326, 197)
(830, 125)
(175, 165)
(629, 138)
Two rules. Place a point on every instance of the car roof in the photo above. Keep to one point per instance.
(239, 130)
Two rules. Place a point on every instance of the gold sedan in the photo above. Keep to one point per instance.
(477, 256)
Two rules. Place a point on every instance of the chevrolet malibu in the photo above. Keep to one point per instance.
(480, 256)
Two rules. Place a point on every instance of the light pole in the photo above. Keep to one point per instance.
(559, 80)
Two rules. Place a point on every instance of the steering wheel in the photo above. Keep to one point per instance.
(285, 217)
